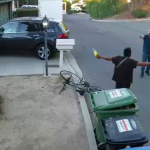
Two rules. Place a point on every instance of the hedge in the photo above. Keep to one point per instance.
(140, 13)
(68, 5)
(105, 8)
(27, 13)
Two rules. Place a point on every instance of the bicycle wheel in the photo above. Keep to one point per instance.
(67, 75)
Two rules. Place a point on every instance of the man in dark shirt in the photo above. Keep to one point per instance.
(146, 53)
(124, 65)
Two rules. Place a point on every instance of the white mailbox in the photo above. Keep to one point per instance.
(64, 45)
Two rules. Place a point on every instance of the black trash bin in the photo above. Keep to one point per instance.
(120, 132)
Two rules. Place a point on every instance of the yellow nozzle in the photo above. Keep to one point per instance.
(95, 53)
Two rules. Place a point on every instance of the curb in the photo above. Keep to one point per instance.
(132, 20)
(73, 66)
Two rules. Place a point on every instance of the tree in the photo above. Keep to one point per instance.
(68, 6)
(75, 1)
(134, 4)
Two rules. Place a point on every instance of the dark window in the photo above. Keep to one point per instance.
(29, 27)
(41, 27)
(54, 27)
(50, 29)
(9, 28)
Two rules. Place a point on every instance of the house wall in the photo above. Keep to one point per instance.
(10, 11)
(51, 8)
(5, 12)
(13, 5)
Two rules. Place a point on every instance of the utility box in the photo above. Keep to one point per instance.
(53, 9)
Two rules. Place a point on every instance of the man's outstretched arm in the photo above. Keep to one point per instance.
(105, 58)
(141, 36)
(142, 64)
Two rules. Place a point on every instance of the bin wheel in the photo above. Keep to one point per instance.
(111, 147)
(102, 146)
(97, 142)
(95, 131)
(117, 147)
(137, 145)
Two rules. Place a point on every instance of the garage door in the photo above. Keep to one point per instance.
(4, 13)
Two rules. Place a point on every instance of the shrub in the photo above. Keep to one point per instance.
(95, 10)
(68, 5)
(70, 11)
(88, 7)
(14, 14)
(27, 12)
(109, 8)
(139, 13)
(75, 11)
(83, 9)
(105, 8)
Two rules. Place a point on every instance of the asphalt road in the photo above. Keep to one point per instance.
(109, 39)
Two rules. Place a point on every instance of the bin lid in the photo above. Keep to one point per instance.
(110, 99)
(139, 148)
(125, 130)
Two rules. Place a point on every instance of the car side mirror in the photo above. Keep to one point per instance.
(2, 30)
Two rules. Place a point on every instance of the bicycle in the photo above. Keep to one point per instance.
(81, 86)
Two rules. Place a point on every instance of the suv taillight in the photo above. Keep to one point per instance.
(62, 36)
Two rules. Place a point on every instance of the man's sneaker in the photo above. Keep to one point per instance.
(142, 74)
(147, 72)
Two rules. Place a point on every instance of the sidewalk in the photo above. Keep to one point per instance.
(121, 20)
(35, 117)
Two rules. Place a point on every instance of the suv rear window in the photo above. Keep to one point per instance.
(54, 27)
(63, 27)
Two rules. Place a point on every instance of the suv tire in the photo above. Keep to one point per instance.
(40, 52)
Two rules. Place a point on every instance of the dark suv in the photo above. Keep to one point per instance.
(26, 34)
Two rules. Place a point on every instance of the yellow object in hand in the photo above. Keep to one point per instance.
(95, 53)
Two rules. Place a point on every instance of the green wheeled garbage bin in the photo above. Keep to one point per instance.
(112, 103)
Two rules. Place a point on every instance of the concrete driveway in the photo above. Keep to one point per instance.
(110, 39)
(25, 64)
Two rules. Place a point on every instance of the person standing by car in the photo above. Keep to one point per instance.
(124, 65)
(146, 53)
